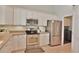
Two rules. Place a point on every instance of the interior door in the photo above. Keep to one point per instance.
(56, 30)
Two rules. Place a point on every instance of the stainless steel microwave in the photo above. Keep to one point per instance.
(31, 21)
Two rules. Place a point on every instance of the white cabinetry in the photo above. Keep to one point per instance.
(19, 16)
(39, 22)
(6, 15)
(14, 44)
(19, 42)
(42, 22)
(2, 21)
(9, 15)
(44, 39)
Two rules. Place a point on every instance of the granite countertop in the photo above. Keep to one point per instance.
(17, 30)
(43, 32)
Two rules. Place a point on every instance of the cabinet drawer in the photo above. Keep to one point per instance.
(56, 40)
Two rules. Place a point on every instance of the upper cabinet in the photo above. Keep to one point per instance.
(6, 15)
(9, 15)
(68, 21)
(42, 21)
(2, 21)
(19, 16)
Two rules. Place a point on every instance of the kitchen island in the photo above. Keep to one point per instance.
(4, 38)
(12, 41)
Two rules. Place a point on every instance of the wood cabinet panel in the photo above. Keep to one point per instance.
(68, 21)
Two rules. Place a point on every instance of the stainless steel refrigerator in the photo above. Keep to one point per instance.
(55, 29)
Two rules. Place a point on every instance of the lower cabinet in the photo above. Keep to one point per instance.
(19, 42)
(44, 39)
(15, 43)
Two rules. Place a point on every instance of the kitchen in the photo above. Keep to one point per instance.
(23, 30)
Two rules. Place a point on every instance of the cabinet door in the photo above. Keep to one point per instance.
(18, 42)
(14, 43)
(44, 39)
(40, 22)
(19, 16)
(6, 15)
(2, 10)
(23, 17)
(44, 22)
(68, 21)
(21, 41)
(29, 14)
(9, 15)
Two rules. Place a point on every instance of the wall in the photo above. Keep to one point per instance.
(65, 12)
(75, 33)
(38, 14)
(75, 27)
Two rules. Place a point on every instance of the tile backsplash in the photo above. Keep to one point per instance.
(40, 28)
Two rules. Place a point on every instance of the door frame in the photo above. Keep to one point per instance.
(62, 41)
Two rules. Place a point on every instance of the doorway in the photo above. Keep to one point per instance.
(67, 29)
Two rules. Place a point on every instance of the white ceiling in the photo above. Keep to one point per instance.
(51, 9)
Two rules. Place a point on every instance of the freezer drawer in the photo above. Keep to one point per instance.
(56, 40)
